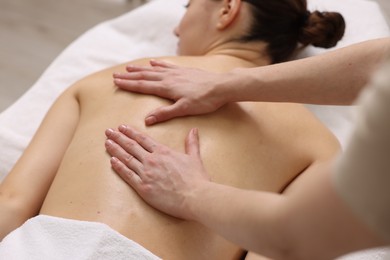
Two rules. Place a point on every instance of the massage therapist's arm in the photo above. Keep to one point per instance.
(335, 77)
(288, 226)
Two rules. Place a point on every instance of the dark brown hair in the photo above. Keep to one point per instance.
(286, 24)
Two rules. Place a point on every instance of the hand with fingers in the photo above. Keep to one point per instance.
(193, 91)
(164, 178)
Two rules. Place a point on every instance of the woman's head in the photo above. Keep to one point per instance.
(284, 24)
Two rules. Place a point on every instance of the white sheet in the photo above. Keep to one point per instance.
(144, 32)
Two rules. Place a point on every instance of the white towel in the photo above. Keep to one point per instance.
(372, 254)
(45, 237)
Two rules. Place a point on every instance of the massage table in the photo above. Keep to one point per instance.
(148, 32)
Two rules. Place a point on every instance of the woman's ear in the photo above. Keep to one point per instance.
(228, 13)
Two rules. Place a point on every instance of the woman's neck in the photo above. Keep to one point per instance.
(255, 54)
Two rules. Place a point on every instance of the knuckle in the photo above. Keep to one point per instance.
(159, 69)
(121, 170)
(140, 137)
(146, 189)
(164, 151)
(128, 146)
(160, 89)
(148, 174)
(150, 161)
(142, 75)
(128, 159)
(141, 83)
(127, 177)
(185, 106)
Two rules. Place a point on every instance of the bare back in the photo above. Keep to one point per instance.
(260, 146)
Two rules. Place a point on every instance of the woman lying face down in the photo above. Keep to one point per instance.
(261, 146)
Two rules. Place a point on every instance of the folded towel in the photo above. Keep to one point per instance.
(45, 237)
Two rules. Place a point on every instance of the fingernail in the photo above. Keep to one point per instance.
(150, 120)
(109, 142)
(109, 132)
(122, 128)
(114, 159)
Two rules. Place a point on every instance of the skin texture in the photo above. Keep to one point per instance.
(308, 221)
(335, 77)
(85, 187)
(66, 171)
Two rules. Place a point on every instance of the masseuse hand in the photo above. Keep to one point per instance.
(192, 90)
(145, 165)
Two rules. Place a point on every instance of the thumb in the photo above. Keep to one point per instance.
(164, 113)
(192, 143)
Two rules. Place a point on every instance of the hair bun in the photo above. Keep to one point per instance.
(322, 29)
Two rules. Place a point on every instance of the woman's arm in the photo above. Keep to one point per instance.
(335, 77)
(23, 190)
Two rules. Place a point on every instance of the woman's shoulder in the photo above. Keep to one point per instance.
(213, 63)
(209, 63)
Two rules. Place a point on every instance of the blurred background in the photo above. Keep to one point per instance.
(34, 32)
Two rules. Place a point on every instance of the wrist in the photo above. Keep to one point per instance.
(245, 84)
(219, 93)
(198, 201)
(229, 89)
